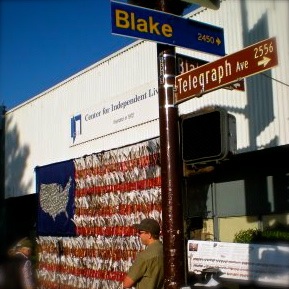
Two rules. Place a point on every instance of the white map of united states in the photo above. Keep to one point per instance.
(54, 198)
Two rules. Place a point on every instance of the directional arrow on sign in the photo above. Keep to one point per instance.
(264, 61)
(227, 70)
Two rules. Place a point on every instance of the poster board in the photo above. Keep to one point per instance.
(264, 264)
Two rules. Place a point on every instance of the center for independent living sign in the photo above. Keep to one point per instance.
(127, 110)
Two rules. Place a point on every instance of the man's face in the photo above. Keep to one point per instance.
(144, 237)
(26, 251)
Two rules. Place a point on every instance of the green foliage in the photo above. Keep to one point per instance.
(246, 236)
(278, 233)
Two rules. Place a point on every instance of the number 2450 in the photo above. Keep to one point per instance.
(206, 38)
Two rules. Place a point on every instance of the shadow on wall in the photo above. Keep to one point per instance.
(18, 214)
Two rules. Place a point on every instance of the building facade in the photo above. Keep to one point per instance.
(113, 106)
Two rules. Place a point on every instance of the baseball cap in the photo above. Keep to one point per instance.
(149, 225)
(24, 243)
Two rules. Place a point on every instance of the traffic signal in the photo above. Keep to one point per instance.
(173, 6)
(212, 4)
(207, 136)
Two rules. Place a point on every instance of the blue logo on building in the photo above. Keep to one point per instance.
(76, 128)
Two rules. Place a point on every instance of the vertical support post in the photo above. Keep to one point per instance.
(171, 171)
(172, 214)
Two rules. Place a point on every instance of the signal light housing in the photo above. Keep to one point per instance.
(207, 136)
(212, 4)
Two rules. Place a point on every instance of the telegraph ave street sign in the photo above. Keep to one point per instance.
(226, 70)
(139, 22)
(186, 63)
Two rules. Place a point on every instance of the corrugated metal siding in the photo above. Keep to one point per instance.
(38, 132)
(262, 110)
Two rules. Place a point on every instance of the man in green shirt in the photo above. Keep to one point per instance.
(147, 271)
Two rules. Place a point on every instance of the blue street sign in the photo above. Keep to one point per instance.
(139, 22)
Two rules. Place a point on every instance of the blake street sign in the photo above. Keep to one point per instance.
(229, 69)
(185, 63)
(139, 22)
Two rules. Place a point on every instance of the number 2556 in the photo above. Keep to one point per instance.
(263, 50)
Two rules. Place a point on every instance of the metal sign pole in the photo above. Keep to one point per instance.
(173, 232)
(172, 213)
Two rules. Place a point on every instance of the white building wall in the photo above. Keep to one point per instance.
(262, 110)
(38, 131)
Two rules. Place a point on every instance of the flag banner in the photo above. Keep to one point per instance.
(113, 190)
(55, 189)
(116, 189)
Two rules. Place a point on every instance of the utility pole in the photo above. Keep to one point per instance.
(171, 168)
(171, 165)
(172, 210)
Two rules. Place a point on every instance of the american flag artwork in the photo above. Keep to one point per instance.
(112, 190)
